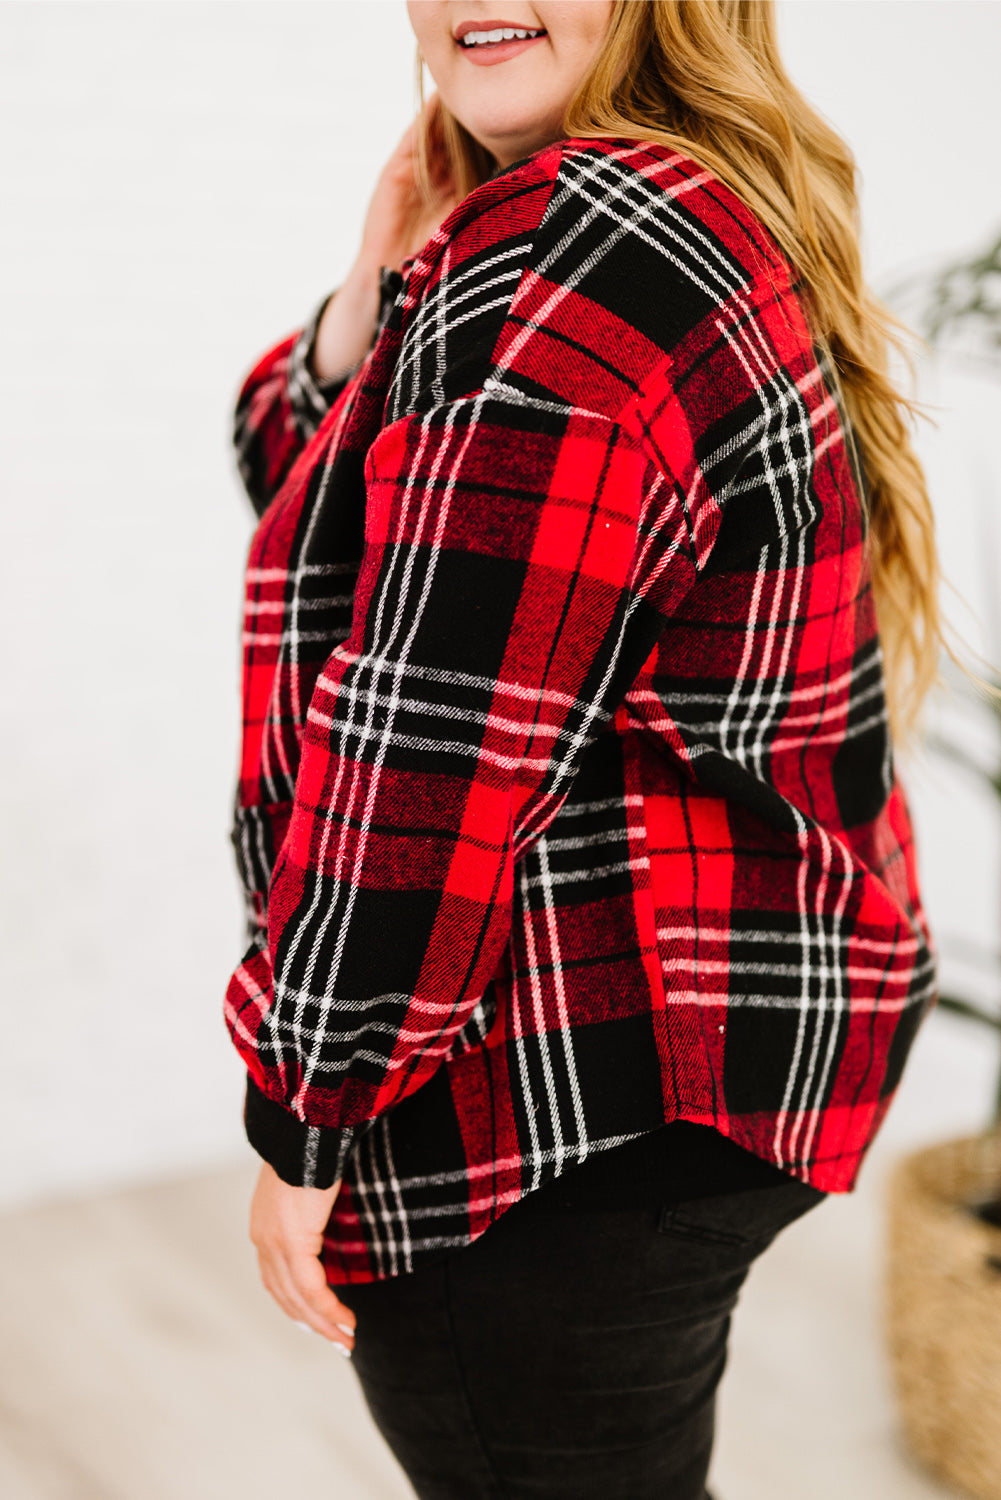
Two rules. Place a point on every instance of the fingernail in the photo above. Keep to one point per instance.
(304, 1326)
(343, 1349)
(346, 1328)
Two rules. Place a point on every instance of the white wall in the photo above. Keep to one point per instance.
(180, 183)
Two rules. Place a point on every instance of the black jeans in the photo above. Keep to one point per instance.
(573, 1350)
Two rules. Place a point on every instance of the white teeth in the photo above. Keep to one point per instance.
(502, 34)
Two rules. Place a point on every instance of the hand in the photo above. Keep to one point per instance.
(397, 224)
(286, 1226)
(399, 221)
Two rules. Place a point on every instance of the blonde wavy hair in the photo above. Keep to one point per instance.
(705, 77)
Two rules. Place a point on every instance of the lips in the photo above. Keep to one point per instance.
(486, 52)
(465, 27)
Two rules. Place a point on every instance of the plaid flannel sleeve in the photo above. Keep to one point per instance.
(520, 559)
(279, 408)
(282, 403)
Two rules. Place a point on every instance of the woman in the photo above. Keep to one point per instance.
(586, 944)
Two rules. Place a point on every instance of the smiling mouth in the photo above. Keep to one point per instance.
(484, 37)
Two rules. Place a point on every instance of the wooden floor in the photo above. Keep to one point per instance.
(139, 1360)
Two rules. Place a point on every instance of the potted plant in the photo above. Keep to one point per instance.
(943, 1264)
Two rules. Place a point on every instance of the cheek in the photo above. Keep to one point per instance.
(438, 53)
(434, 38)
(578, 33)
(594, 22)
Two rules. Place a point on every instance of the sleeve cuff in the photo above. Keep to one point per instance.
(309, 397)
(302, 1155)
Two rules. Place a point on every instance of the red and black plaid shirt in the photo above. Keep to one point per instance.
(567, 803)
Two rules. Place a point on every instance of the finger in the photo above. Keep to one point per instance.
(311, 1286)
(335, 1322)
(278, 1284)
(405, 145)
(275, 1289)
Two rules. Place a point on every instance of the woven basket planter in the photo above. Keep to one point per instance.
(943, 1310)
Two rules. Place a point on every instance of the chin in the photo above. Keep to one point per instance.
(511, 139)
